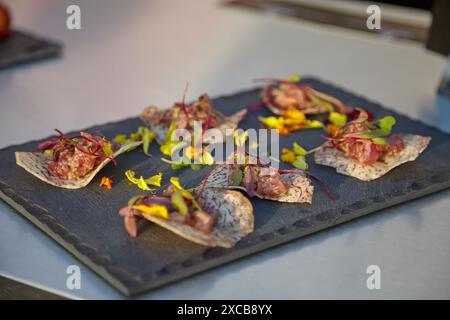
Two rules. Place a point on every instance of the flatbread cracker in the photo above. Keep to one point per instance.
(414, 146)
(234, 214)
(225, 122)
(300, 189)
(267, 100)
(36, 164)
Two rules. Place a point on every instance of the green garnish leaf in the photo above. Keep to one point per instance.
(338, 119)
(143, 134)
(300, 163)
(147, 138)
(237, 177)
(107, 149)
(328, 106)
(294, 78)
(379, 140)
(314, 124)
(298, 150)
(120, 138)
(179, 203)
(386, 124)
(196, 167)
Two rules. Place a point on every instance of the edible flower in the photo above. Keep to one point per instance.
(196, 155)
(295, 156)
(289, 121)
(144, 183)
(154, 210)
(338, 119)
(106, 182)
(169, 146)
(143, 134)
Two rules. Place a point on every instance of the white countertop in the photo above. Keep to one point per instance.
(130, 54)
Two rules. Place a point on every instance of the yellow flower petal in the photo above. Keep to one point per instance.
(155, 180)
(272, 122)
(295, 114)
(287, 155)
(130, 174)
(143, 183)
(155, 210)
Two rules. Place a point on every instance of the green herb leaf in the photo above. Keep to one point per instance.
(338, 119)
(300, 163)
(294, 78)
(328, 106)
(298, 150)
(196, 167)
(107, 149)
(386, 124)
(179, 203)
(314, 124)
(147, 138)
(379, 140)
(121, 139)
(237, 177)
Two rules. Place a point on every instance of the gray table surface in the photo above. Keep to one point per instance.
(130, 54)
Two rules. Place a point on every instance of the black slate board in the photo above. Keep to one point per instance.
(86, 222)
(20, 47)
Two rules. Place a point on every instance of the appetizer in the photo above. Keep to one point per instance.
(4, 22)
(283, 95)
(367, 150)
(71, 161)
(263, 181)
(213, 217)
(184, 115)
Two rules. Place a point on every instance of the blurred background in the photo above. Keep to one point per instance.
(129, 55)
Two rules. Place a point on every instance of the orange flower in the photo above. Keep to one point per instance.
(332, 129)
(106, 182)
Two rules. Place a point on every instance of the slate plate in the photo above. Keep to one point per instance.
(21, 47)
(86, 223)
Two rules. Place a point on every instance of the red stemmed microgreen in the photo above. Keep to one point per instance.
(99, 148)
